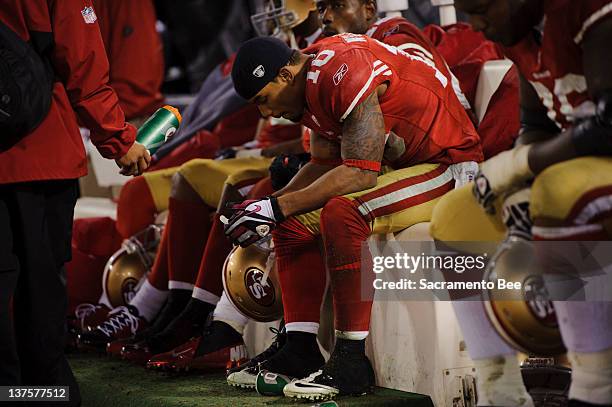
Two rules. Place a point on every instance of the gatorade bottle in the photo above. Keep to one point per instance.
(158, 128)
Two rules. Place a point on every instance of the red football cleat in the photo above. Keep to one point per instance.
(183, 358)
(89, 316)
(121, 323)
(138, 352)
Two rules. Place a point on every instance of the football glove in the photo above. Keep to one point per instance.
(252, 220)
(500, 174)
(515, 213)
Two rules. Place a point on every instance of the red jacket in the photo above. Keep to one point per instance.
(55, 149)
(135, 53)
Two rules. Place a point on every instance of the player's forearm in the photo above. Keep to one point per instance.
(286, 147)
(340, 181)
(546, 153)
(305, 176)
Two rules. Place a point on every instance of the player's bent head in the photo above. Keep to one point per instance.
(269, 73)
(503, 21)
(346, 16)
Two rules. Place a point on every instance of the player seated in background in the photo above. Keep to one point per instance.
(559, 175)
(351, 92)
(464, 50)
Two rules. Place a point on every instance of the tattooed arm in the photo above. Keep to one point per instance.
(363, 138)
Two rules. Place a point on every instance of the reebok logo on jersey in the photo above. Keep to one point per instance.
(340, 74)
(259, 71)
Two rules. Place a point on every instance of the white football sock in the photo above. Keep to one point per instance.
(226, 312)
(149, 300)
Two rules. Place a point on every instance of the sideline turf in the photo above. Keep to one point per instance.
(107, 382)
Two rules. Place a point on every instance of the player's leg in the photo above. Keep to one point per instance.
(401, 198)
(129, 323)
(569, 203)
(458, 217)
(226, 331)
(142, 199)
(195, 188)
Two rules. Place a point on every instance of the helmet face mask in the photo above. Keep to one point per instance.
(280, 16)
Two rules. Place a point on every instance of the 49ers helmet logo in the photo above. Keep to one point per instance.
(128, 289)
(538, 301)
(262, 294)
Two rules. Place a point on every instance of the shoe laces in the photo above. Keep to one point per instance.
(82, 311)
(273, 348)
(119, 318)
(312, 376)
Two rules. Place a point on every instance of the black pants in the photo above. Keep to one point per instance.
(35, 234)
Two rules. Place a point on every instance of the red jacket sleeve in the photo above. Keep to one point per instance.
(80, 62)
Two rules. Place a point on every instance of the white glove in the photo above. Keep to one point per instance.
(252, 220)
(500, 174)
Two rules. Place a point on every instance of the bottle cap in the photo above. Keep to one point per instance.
(174, 111)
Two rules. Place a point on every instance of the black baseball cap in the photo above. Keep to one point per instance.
(257, 63)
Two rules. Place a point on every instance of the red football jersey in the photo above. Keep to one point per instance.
(553, 62)
(419, 104)
(401, 33)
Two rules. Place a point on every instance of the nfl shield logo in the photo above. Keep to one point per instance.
(89, 15)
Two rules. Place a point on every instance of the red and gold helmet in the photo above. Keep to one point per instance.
(251, 283)
(125, 269)
(524, 318)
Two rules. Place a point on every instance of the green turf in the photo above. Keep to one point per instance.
(105, 382)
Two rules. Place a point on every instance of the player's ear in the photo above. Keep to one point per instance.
(285, 75)
(371, 10)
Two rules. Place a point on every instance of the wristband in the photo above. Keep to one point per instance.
(363, 164)
(278, 213)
